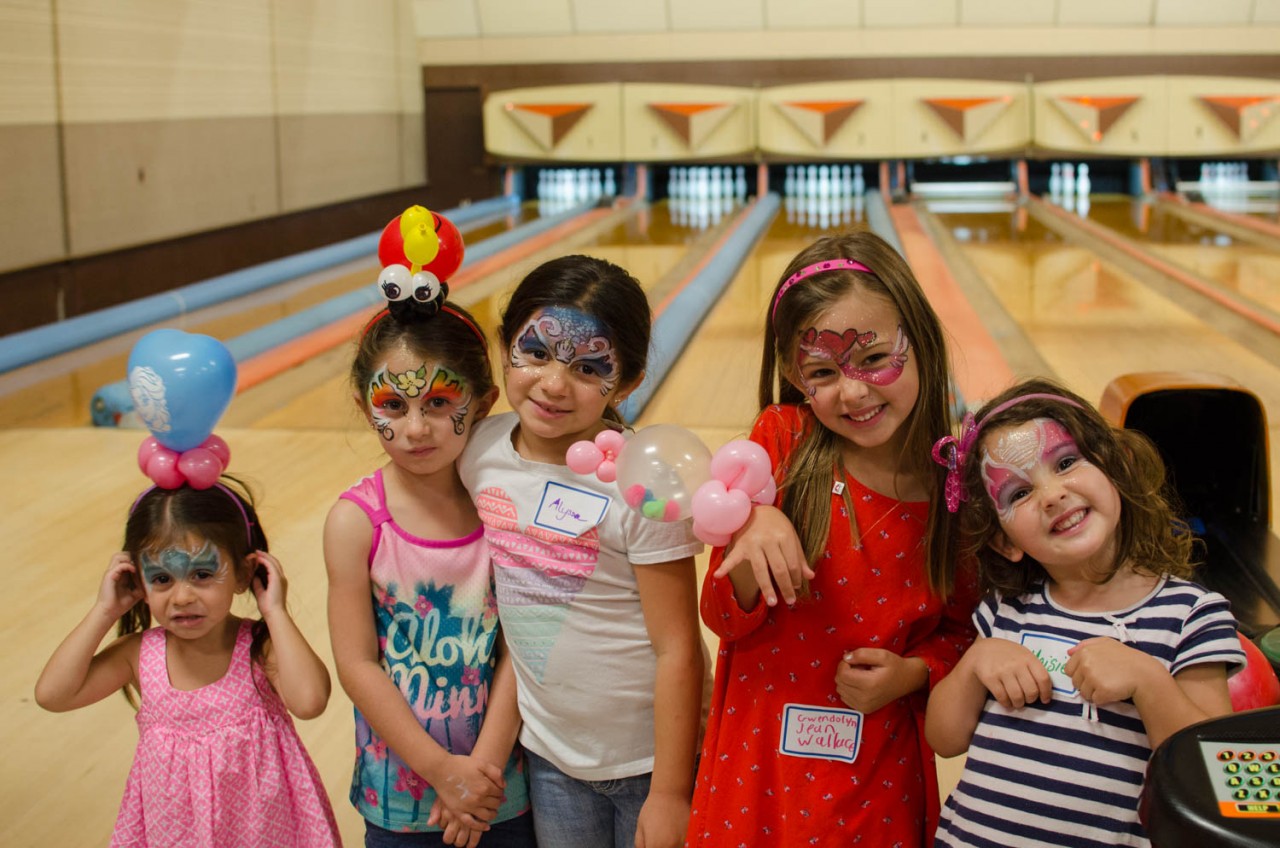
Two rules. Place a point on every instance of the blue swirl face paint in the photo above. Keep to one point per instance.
(163, 569)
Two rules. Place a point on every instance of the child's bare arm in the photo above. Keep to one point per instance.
(78, 674)
(1007, 671)
(291, 665)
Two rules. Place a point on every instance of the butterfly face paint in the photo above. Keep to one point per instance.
(1012, 465)
(163, 569)
(874, 365)
(393, 396)
(572, 338)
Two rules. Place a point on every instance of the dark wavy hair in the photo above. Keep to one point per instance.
(1149, 536)
(218, 514)
(598, 288)
(807, 485)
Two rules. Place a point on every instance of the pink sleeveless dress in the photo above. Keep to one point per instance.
(221, 765)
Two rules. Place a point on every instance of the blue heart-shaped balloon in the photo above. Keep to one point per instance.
(181, 384)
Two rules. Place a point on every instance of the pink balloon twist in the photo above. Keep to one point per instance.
(599, 456)
(200, 467)
(741, 475)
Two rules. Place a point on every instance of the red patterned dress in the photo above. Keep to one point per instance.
(785, 762)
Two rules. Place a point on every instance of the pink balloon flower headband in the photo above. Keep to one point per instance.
(666, 473)
(951, 452)
(816, 268)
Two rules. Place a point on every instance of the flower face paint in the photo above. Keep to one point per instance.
(392, 396)
(163, 569)
(877, 367)
(572, 338)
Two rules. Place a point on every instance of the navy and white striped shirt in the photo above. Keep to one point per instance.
(1069, 773)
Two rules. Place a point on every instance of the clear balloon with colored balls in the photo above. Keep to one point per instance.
(659, 470)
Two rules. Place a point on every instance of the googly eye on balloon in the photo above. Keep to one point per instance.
(427, 287)
(395, 282)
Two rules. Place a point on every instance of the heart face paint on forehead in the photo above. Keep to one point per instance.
(174, 564)
(1007, 465)
(841, 348)
(570, 337)
(394, 395)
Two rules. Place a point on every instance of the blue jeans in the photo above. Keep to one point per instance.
(512, 833)
(572, 813)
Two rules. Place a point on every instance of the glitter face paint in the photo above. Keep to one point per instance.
(391, 396)
(571, 338)
(1007, 464)
(841, 348)
(162, 569)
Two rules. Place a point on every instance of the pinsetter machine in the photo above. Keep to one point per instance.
(1217, 783)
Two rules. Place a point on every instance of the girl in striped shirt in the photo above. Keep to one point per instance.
(1093, 646)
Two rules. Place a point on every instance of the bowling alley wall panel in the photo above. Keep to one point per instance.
(577, 123)
(139, 121)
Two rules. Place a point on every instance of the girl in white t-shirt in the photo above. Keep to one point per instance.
(599, 605)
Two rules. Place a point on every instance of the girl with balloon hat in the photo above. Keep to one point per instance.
(214, 691)
(598, 603)
(412, 611)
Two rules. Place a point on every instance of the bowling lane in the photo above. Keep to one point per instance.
(1092, 322)
(57, 393)
(1250, 270)
(316, 395)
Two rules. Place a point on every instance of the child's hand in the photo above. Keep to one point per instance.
(768, 544)
(869, 678)
(1012, 674)
(454, 833)
(121, 587)
(471, 789)
(1106, 671)
(664, 817)
(268, 583)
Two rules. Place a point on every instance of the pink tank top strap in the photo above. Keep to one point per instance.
(153, 672)
(370, 495)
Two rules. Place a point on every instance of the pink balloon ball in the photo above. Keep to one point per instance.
(583, 457)
(162, 468)
(201, 467)
(147, 450)
(742, 464)
(611, 441)
(720, 510)
(671, 512)
(634, 496)
(768, 494)
(219, 448)
(715, 540)
(607, 472)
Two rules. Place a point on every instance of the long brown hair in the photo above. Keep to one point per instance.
(223, 514)
(1149, 536)
(808, 479)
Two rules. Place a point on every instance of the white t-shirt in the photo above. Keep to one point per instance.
(563, 547)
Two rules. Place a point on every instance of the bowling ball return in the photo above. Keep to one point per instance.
(1216, 783)
(1212, 434)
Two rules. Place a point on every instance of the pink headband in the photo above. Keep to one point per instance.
(248, 525)
(816, 268)
(969, 428)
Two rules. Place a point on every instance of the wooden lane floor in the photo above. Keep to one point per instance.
(1092, 322)
(67, 518)
(56, 393)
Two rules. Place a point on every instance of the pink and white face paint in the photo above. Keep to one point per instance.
(877, 367)
(1011, 466)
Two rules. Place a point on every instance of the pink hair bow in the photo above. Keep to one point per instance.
(951, 452)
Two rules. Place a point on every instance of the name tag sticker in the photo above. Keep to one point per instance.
(570, 511)
(1052, 653)
(821, 733)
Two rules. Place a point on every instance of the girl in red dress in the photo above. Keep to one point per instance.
(814, 735)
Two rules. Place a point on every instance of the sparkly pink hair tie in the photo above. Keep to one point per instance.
(816, 268)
